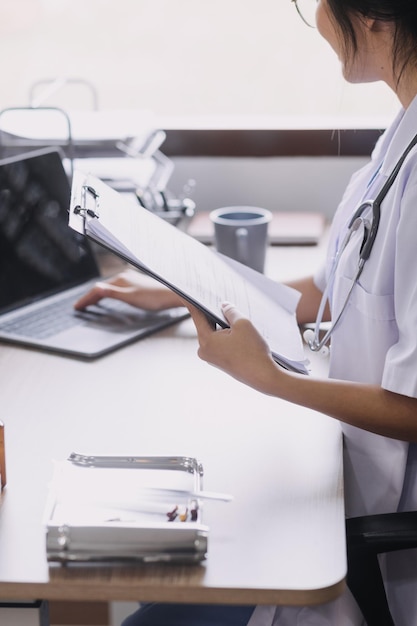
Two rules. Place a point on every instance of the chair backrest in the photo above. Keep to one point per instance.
(367, 537)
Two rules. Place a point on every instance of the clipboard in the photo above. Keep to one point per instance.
(198, 274)
(127, 509)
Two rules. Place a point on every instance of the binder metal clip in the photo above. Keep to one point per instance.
(78, 210)
(85, 210)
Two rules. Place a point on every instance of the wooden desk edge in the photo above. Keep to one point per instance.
(90, 592)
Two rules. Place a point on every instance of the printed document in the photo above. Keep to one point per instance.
(195, 271)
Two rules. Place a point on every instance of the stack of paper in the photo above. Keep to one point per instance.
(197, 273)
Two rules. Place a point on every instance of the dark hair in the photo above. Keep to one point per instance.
(402, 13)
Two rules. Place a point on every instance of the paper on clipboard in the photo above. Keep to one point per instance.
(145, 509)
(189, 268)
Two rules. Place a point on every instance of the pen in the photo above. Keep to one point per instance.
(157, 493)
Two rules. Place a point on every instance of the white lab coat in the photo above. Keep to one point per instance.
(375, 342)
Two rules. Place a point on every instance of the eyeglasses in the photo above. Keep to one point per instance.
(306, 9)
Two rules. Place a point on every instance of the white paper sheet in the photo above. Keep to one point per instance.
(189, 267)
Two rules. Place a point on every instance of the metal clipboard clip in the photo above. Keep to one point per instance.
(89, 202)
(182, 463)
(186, 464)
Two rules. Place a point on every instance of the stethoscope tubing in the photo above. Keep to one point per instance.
(316, 344)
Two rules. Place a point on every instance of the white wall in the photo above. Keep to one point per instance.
(286, 184)
(180, 57)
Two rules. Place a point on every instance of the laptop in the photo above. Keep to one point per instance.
(45, 266)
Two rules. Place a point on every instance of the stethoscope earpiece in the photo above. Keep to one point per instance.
(309, 336)
(314, 344)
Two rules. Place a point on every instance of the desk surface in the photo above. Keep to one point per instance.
(281, 540)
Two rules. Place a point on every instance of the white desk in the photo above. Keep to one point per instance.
(280, 541)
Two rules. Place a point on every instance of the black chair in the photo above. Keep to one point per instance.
(367, 537)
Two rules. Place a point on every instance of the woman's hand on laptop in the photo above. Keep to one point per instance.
(133, 288)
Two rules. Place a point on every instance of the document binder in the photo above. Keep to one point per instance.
(197, 273)
(128, 509)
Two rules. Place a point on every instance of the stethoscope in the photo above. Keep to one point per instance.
(312, 337)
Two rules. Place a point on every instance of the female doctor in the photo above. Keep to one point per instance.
(368, 289)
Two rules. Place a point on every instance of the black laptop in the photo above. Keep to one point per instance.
(45, 266)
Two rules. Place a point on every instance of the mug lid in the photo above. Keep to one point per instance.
(240, 215)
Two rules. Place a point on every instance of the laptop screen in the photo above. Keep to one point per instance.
(39, 253)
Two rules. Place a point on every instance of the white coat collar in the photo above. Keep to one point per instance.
(397, 137)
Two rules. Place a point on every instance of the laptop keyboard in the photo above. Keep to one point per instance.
(49, 320)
